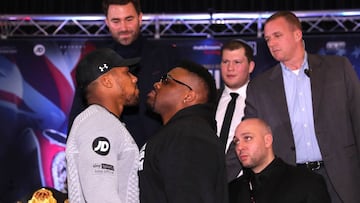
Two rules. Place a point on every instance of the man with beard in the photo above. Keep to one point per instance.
(184, 160)
(268, 178)
(123, 18)
(102, 156)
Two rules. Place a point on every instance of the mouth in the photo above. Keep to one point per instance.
(230, 76)
(151, 98)
(136, 87)
(124, 34)
(275, 50)
(243, 157)
(152, 94)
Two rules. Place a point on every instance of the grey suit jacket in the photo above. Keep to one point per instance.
(335, 90)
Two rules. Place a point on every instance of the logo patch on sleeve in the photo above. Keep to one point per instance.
(101, 146)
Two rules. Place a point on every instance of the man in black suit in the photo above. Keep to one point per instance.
(267, 178)
(237, 63)
(312, 104)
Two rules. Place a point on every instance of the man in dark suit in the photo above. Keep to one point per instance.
(267, 178)
(237, 62)
(312, 104)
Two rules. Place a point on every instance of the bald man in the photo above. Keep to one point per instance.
(266, 177)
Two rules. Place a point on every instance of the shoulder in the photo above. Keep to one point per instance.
(304, 176)
(96, 120)
(192, 128)
(326, 57)
(305, 184)
(97, 114)
(190, 136)
(328, 61)
(158, 45)
(267, 77)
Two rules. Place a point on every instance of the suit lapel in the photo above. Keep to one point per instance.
(317, 80)
(279, 99)
(278, 92)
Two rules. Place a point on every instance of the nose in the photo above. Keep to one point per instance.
(134, 78)
(230, 66)
(237, 150)
(270, 42)
(122, 25)
(157, 85)
(239, 146)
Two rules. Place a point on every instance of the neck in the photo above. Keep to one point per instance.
(265, 162)
(113, 108)
(296, 62)
(166, 117)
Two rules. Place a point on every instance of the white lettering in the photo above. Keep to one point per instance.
(102, 146)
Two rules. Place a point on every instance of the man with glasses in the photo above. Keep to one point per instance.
(184, 160)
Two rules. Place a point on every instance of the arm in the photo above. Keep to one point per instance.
(98, 174)
(353, 94)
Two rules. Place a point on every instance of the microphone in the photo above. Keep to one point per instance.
(307, 72)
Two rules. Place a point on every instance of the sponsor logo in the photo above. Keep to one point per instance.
(8, 50)
(335, 45)
(39, 50)
(101, 146)
(107, 167)
(103, 169)
(206, 47)
(103, 68)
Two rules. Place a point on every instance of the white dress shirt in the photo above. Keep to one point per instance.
(238, 113)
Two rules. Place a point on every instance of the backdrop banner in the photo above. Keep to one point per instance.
(37, 87)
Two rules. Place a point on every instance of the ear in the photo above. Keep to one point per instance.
(298, 35)
(140, 18)
(106, 80)
(268, 140)
(251, 66)
(190, 97)
(106, 21)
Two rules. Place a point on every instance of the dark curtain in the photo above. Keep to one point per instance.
(173, 6)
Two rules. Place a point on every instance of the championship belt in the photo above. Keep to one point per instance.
(42, 196)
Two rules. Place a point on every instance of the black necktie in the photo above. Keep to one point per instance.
(224, 133)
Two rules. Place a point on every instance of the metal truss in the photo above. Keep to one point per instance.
(175, 25)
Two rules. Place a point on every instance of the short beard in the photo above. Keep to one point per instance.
(132, 100)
